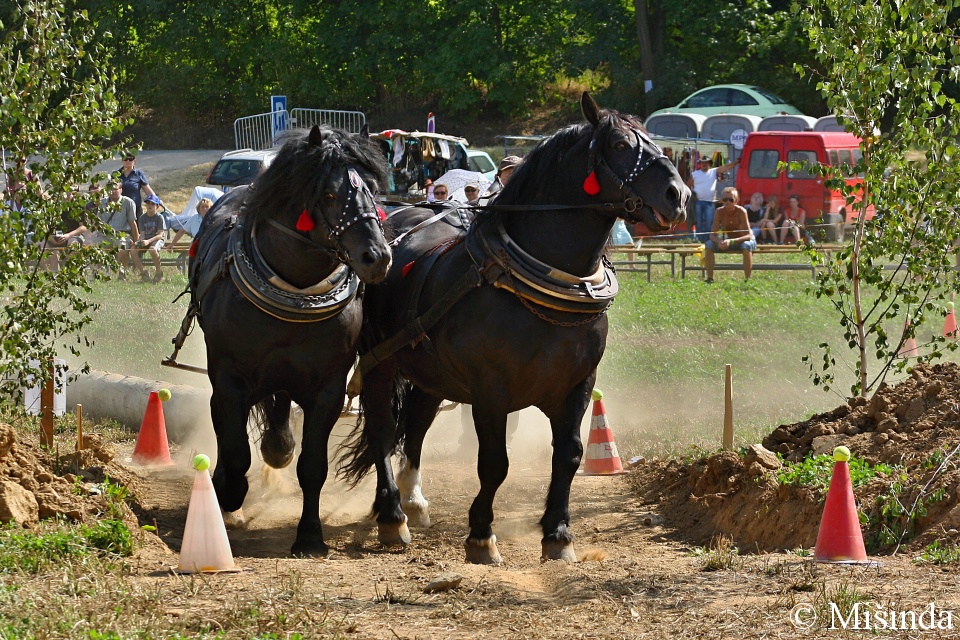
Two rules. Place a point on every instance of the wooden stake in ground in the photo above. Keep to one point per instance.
(79, 427)
(46, 409)
(728, 410)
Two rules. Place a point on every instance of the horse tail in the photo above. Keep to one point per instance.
(362, 449)
(272, 418)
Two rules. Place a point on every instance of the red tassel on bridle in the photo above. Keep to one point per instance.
(305, 222)
(591, 185)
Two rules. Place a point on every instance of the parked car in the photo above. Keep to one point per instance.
(758, 170)
(733, 98)
(481, 162)
(236, 168)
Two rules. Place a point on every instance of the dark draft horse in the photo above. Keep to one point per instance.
(506, 316)
(274, 278)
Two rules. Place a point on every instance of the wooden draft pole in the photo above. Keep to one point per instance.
(46, 409)
(728, 409)
(79, 427)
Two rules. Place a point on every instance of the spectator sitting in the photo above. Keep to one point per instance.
(440, 192)
(151, 225)
(772, 219)
(795, 223)
(755, 212)
(472, 193)
(119, 213)
(730, 232)
(504, 171)
(192, 223)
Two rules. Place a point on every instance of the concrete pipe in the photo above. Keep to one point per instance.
(124, 399)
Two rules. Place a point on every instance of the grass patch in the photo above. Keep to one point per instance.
(55, 543)
(721, 555)
(939, 553)
(814, 472)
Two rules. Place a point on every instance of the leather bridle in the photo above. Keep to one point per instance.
(352, 213)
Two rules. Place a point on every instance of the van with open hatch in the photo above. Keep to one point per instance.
(759, 171)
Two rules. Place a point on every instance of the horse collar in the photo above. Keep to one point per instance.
(267, 291)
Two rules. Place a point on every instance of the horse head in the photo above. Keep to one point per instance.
(626, 169)
(321, 186)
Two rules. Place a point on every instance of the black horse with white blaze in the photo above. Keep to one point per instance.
(275, 275)
(509, 315)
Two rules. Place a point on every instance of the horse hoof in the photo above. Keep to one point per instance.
(483, 551)
(234, 519)
(309, 549)
(277, 446)
(557, 550)
(416, 517)
(392, 534)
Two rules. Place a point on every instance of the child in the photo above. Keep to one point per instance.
(151, 226)
(192, 223)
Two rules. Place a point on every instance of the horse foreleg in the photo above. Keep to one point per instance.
(557, 542)
(492, 467)
(419, 410)
(229, 409)
(380, 432)
(319, 417)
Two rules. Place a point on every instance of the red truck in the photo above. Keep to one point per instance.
(758, 172)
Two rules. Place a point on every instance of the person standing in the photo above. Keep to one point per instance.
(730, 232)
(703, 181)
(134, 182)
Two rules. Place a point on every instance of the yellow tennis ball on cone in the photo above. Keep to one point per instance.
(164, 394)
(596, 395)
(841, 454)
(201, 462)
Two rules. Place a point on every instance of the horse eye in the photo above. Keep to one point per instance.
(622, 146)
(331, 196)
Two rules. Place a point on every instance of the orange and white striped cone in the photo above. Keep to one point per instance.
(602, 457)
(909, 348)
(950, 323)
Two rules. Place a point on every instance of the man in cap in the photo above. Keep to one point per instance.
(504, 171)
(703, 181)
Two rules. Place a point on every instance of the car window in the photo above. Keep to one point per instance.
(772, 97)
(810, 157)
(235, 172)
(763, 163)
(708, 98)
(482, 164)
(735, 97)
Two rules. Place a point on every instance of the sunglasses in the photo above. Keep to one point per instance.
(726, 199)
(471, 190)
(439, 193)
(129, 159)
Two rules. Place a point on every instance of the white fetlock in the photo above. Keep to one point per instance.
(411, 498)
(234, 519)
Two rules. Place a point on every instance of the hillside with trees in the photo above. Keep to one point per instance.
(194, 66)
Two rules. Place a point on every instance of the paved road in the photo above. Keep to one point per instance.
(152, 162)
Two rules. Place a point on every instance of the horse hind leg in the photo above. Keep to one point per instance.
(277, 444)
(419, 411)
(492, 467)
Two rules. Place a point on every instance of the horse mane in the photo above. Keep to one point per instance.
(539, 178)
(299, 174)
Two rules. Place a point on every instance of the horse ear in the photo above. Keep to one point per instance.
(316, 137)
(364, 131)
(590, 109)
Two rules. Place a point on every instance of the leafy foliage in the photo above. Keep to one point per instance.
(814, 472)
(885, 66)
(59, 101)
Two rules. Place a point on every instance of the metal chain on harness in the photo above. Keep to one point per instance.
(532, 309)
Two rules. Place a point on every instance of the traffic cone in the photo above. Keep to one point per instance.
(950, 323)
(839, 539)
(602, 459)
(909, 348)
(205, 547)
(152, 448)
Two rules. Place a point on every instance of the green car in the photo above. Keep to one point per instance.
(733, 98)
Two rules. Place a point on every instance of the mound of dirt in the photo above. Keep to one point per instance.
(36, 484)
(914, 426)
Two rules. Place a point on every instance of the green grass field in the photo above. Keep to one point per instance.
(663, 372)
